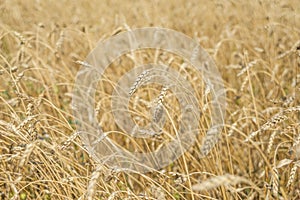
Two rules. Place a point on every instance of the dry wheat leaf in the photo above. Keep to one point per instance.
(217, 181)
(284, 162)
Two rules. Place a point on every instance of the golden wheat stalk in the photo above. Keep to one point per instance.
(276, 119)
(60, 41)
(159, 107)
(292, 175)
(26, 154)
(271, 141)
(93, 182)
(69, 140)
(139, 81)
(248, 66)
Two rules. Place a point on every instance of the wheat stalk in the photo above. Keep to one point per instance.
(26, 154)
(275, 182)
(139, 81)
(159, 107)
(60, 41)
(276, 119)
(211, 138)
(271, 141)
(292, 175)
(93, 182)
(248, 66)
(20, 37)
(69, 140)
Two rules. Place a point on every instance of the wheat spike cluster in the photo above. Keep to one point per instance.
(256, 48)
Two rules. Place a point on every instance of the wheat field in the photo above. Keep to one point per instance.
(256, 48)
